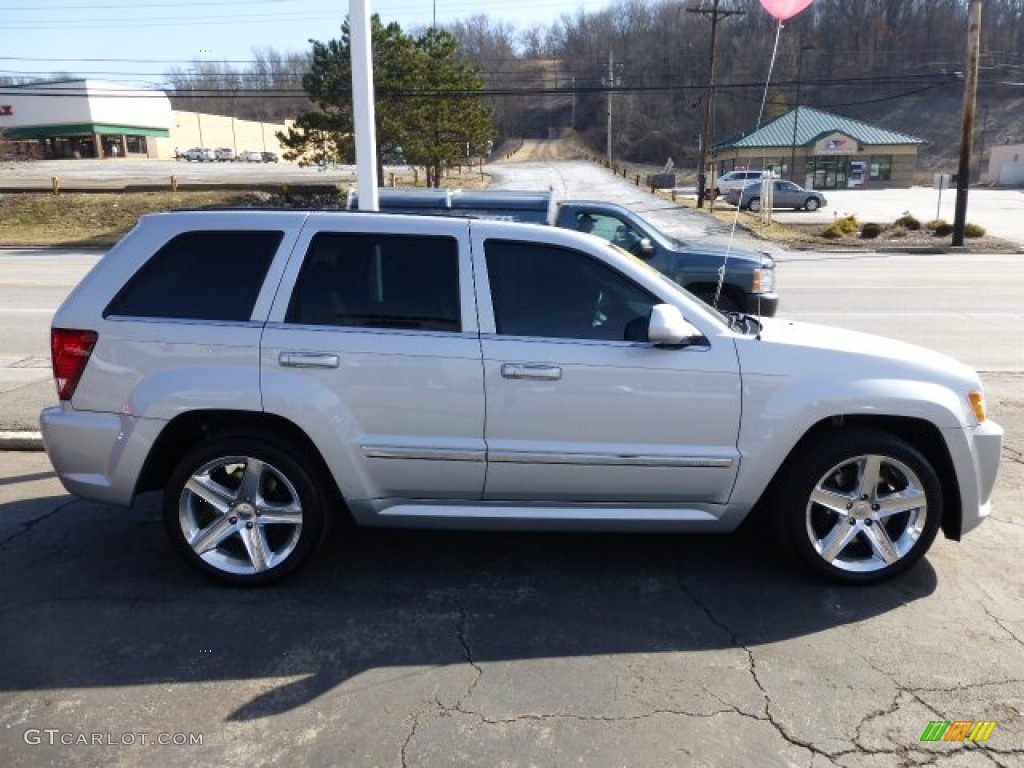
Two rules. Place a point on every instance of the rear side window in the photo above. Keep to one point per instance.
(214, 275)
(378, 281)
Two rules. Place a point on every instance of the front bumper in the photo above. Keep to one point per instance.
(763, 304)
(986, 447)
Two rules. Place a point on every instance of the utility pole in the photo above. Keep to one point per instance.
(709, 99)
(970, 105)
(796, 109)
(572, 123)
(611, 85)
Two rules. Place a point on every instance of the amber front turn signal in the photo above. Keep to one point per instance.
(978, 404)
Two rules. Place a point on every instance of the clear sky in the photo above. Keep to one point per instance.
(40, 37)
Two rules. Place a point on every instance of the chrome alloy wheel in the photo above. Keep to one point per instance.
(240, 515)
(866, 513)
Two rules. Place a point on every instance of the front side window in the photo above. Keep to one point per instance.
(378, 281)
(203, 275)
(610, 228)
(552, 292)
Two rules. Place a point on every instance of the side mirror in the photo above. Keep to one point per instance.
(644, 249)
(668, 326)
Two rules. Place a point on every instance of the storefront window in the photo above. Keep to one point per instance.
(136, 144)
(827, 172)
(881, 167)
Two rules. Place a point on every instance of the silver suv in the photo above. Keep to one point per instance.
(276, 371)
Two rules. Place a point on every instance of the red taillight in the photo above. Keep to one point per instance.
(70, 351)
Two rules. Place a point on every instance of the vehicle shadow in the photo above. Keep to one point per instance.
(96, 598)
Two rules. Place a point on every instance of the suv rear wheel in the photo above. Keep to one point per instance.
(243, 510)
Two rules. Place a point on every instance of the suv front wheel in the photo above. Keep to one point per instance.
(243, 511)
(860, 508)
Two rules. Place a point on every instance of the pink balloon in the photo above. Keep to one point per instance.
(785, 9)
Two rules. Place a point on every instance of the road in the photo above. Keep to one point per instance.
(33, 282)
(417, 650)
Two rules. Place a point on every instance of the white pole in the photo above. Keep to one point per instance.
(362, 105)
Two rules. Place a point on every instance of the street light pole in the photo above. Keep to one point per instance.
(363, 105)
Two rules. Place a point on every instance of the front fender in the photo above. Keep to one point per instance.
(778, 411)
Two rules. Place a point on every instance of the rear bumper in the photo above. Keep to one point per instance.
(763, 304)
(97, 456)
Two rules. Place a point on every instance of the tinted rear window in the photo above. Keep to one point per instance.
(379, 281)
(214, 275)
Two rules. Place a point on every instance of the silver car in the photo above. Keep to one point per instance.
(785, 194)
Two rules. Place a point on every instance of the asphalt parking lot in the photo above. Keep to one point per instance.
(431, 649)
(416, 649)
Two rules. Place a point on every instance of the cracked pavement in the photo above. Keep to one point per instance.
(433, 649)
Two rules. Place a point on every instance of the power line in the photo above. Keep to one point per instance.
(57, 91)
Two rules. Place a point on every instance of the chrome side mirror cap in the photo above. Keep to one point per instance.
(668, 326)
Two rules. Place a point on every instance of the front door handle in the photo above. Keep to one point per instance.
(532, 371)
(308, 360)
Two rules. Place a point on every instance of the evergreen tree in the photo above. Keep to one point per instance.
(427, 105)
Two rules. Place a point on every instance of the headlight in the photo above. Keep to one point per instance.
(764, 280)
(977, 399)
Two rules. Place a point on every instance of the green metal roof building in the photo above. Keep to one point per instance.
(821, 150)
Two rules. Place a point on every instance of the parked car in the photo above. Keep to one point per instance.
(785, 194)
(433, 371)
(268, 157)
(225, 154)
(735, 180)
(250, 156)
(201, 155)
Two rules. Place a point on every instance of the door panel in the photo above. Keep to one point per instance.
(587, 415)
(376, 355)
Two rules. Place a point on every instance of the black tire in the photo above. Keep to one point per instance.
(228, 490)
(811, 204)
(865, 535)
(754, 205)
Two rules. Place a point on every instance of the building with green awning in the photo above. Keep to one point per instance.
(84, 118)
(821, 150)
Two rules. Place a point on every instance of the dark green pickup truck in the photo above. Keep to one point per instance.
(748, 283)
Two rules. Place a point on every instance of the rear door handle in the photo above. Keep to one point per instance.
(532, 371)
(308, 360)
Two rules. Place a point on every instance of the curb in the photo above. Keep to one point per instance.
(21, 441)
